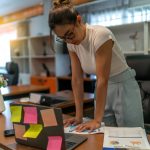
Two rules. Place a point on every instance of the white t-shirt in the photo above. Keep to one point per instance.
(96, 36)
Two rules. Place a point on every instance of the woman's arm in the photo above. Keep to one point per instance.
(103, 64)
(77, 84)
(78, 91)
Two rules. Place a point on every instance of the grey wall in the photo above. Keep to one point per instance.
(39, 25)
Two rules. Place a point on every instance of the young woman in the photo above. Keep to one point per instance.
(93, 49)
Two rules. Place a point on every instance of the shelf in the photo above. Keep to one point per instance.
(133, 38)
(43, 57)
(29, 53)
(35, 56)
(128, 26)
(21, 38)
(20, 57)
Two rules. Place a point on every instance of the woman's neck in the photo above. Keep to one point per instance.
(84, 30)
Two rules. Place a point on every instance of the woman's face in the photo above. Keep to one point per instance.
(70, 33)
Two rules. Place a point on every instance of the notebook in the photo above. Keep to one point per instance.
(42, 127)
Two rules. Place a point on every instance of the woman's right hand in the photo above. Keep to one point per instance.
(72, 121)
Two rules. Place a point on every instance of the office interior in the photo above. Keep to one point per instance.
(32, 55)
(34, 60)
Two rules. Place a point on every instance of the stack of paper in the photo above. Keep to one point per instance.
(127, 138)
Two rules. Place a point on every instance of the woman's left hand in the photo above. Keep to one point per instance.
(90, 125)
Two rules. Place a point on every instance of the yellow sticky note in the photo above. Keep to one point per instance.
(16, 113)
(33, 131)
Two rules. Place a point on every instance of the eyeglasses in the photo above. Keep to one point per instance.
(69, 35)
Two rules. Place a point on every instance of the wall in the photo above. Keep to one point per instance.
(39, 25)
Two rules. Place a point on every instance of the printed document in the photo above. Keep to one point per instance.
(122, 137)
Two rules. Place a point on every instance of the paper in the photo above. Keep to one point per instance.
(54, 143)
(71, 129)
(33, 131)
(16, 113)
(19, 131)
(48, 117)
(30, 115)
(24, 99)
(121, 137)
(35, 98)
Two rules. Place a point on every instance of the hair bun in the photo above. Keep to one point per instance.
(59, 3)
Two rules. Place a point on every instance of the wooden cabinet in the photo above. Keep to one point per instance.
(49, 81)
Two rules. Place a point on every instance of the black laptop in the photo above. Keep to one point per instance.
(51, 131)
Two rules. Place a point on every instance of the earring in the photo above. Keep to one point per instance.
(79, 18)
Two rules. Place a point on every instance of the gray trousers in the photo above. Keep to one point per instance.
(123, 104)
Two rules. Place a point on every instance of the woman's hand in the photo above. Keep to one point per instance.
(90, 125)
(72, 121)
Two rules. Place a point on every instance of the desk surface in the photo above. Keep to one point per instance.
(94, 142)
(88, 97)
(12, 91)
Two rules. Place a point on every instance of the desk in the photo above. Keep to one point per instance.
(94, 142)
(68, 107)
(13, 92)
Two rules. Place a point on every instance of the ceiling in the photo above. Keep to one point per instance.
(9, 6)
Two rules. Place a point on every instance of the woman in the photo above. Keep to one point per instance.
(94, 50)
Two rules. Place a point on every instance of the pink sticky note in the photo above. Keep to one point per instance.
(30, 115)
(54, 143)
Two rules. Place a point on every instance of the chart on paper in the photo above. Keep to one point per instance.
(125, 138)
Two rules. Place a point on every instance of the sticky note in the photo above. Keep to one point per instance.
(33, 131)
(19, 131)
(16, 113)
(30, 115)
(54, 143)
(48, 117)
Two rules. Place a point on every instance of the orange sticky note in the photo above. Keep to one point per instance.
(19, 131)
(48, 117)
(30, 115)
(54, 143)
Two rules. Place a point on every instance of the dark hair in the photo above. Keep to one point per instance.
(62, 14)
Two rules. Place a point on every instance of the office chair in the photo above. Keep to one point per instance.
(141, 64)
(12, 75)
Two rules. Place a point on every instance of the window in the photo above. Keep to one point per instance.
(6, 34)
